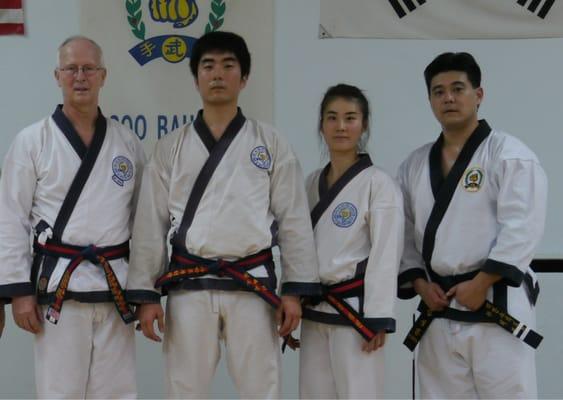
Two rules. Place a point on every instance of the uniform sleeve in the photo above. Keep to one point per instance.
(17, 188)
(150, 229)
(288, 203)
(412, 264)
(521, 209)
(140, 161)
(311, 188)
(386, 222)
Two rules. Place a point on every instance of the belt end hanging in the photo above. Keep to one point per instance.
(52, 315)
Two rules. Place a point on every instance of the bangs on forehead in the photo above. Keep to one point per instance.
(351, 100)
(218, 52)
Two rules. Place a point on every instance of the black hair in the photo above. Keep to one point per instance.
(223, 42)
(463, 62)
(352, 93)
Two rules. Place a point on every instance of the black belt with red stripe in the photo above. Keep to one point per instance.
(97, 256)
(185, 266)
(335, 295)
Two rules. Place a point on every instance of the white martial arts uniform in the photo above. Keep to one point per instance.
(257, 181)
(90, 352)
(364, 221)
(493, 223)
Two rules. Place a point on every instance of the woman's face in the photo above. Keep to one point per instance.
(342, 125)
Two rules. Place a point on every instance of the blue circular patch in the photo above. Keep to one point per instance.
(260, 157)
(344, 215)
(122, 170)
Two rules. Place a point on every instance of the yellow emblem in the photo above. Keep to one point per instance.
(174, 49)
(473, 179)
(181, 12)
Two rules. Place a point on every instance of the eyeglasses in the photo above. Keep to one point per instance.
(72, 70)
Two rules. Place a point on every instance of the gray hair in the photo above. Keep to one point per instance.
(81, 37)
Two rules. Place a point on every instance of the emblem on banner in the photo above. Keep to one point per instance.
(122, 170)
(344, 215)
(180, 14)
(260, 157)
(473, 179)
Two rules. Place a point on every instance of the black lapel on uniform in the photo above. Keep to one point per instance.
(70, 133)
(444, 189)
(216, 153)
(89, 157)
(327, 196)
(203, 132)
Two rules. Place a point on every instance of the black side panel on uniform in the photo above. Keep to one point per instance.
(444, 190)
(204, 176)
(79, 181)
(89, 158)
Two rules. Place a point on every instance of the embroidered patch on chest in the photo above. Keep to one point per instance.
(473, 179)
(344, 215)
(260, 157)
(122, 170)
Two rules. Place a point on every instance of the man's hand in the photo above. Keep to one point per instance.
(473, 293)
(375, 343)
(288, 314)
(27, 314)
(147, 314)
(432, 294)
(2, 318)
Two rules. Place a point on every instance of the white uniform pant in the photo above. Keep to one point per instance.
(333, 365)
(196, 322)
(474, 360)
(90, 353)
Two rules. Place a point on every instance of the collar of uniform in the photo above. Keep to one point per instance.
(469, 148)
(364, 161)
(205, 134)
(70, 133)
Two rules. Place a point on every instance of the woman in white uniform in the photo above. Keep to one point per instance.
(357, 214)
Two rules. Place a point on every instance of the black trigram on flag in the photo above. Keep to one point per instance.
(402, 7)
(409, 6)
(534, 4)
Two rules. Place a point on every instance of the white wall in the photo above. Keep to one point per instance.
(523, 86)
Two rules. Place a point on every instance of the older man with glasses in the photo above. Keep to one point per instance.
(69, 182)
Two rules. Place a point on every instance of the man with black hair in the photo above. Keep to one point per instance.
(214, 188)
(475, 203)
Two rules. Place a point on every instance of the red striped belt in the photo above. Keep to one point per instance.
(188, 266)
(335, 295)
(97, 256)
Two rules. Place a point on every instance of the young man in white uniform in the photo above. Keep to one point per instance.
(70, 180)
(475, 204)
(214, 188)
